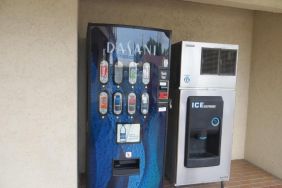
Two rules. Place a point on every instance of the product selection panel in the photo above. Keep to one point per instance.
(124, 101)
(130, 95)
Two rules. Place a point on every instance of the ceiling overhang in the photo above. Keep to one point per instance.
(262, 5)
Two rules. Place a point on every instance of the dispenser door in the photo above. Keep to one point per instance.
(203, 131)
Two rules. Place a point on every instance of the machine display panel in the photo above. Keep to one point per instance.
(128, 133)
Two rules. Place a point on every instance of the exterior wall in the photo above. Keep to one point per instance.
(264, 132)
(38, 96)
(38, 86)
(188, 21)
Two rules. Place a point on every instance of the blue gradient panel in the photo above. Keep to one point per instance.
(122, 43)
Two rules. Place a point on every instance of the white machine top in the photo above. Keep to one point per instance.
(208, 65)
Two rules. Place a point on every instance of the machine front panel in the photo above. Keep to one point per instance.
(127, 106)
(203, 131)
(211, 173)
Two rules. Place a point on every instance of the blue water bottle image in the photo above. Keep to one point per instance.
(122, 134)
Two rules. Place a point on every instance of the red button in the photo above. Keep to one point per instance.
(163, 95)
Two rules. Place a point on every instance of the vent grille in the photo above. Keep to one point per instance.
(218, 61)
(227, 62)
(209, 61)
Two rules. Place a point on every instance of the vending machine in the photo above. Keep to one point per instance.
(128, 105)
(201, 119)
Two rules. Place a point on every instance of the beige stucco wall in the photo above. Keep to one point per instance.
(38, 113)
(264, 132)
(188, 21)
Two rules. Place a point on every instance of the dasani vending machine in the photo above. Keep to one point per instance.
(128, 81)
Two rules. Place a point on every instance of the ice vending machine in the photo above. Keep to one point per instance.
(128, 105)
(201, 119)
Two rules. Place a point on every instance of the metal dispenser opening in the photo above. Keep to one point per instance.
(126, 167)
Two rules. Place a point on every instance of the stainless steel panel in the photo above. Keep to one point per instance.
(191, 67)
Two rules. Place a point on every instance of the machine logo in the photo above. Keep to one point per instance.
(187, 78)
(131, 48)
(202, 105)
(197, 104)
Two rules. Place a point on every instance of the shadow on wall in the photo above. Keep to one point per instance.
(82, 106)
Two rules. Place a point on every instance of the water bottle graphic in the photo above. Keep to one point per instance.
(145, 103)
(122, 134)
(117, 103)
(146, 73)
(103, 103)
(118, 72)
(104, 71)
(132, 72)
(131, 101)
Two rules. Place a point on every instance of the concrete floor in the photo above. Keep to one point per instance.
(243, 175)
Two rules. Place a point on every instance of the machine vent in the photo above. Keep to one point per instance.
(227, 62)
(218, 61)
(209, 61)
